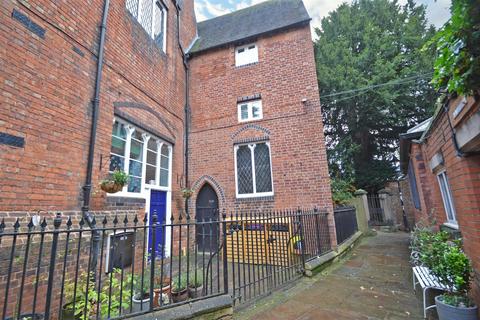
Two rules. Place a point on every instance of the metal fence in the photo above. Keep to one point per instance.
(377, 216)
(345, 223)
(54, 270)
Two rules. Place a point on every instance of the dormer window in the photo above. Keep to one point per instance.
(249, 111)
(152, 16)
(247, 54)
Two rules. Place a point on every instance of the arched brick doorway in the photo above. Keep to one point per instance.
(206, 210)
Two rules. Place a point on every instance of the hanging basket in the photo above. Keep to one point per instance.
(111, 187)
(187, 193)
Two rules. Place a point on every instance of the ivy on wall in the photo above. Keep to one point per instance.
(457, 66)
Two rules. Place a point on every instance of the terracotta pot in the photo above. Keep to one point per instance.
(157, 294)
(111, 187)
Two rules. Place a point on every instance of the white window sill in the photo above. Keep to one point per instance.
(254, 195)
(126, 195)
(451, 225)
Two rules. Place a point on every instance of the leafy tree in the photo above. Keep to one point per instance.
(374, 85)
(457, 66)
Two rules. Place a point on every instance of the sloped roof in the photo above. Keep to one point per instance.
(406, 141)
(246, 23)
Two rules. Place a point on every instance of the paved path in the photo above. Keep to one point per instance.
(374, 282)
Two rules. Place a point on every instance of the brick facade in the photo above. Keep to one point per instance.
(293, 128)
(47, 86)
(464, 180)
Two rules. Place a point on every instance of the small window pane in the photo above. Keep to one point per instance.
(244, 111)
(255, 111)
(251, 47)
(244, 170)
(150, 175)
(158, 24)
(136, 150)
(165, 151)
(163, 178)
(135, 168)
(164, 162)
(119, 130)
(145, 17)
(134, 184)
(263, 174)
(132, 6)
(240, 50)
(118, 146)
(116, 163)
(152, 144)
(151, 158)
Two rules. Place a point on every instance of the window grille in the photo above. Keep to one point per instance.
(152, 15)
(253, 170)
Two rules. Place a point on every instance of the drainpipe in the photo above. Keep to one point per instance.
(87, 188)
(187, 107)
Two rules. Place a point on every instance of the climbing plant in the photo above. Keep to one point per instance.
(457, 65)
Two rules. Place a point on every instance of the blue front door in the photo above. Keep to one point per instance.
(158, 205)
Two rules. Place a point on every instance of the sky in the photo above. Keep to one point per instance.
(437, 11)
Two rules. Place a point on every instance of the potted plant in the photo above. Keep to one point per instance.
(77, 307)
(454, 270)
(161, 290)
(141, 295)
(115, 183)
(195, 285)
(446, 260)
(179, 289)
(187, 193)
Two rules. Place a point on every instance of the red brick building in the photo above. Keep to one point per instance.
(442, 162)
(238, 94)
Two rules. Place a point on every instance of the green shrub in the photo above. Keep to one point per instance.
(342, 191)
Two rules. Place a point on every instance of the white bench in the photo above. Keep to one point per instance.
(427, 281)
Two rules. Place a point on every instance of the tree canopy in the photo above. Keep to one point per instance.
(374, 84)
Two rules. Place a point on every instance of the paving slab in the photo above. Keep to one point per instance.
(372, 282)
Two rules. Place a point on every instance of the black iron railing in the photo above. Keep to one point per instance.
(46, 270)
(345, 223)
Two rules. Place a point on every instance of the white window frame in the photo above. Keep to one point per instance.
(252, 154)
(151, 32)
(248, 56)
(447, 198)
(250, 105)
(145, 188)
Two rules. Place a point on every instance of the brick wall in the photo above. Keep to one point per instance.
(464, 179)
(47, 83)
(284, 75)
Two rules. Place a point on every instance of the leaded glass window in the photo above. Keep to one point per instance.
(152, 16)
(253, 170)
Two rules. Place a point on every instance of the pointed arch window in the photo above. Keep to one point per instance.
(253, 170)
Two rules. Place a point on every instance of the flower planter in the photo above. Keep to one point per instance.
(158, 293)
(139, 304)
(179, 296)
(111, 187)
(448, 312)
(195, 292)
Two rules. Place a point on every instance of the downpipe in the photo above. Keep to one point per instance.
(186, 108)
(87, 188)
